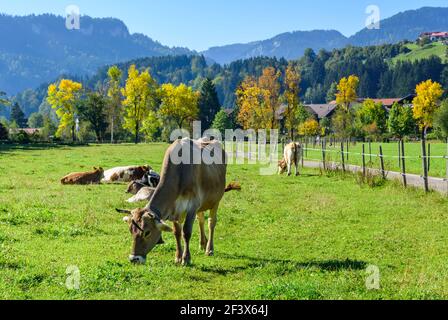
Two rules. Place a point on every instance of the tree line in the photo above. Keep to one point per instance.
(314, 78)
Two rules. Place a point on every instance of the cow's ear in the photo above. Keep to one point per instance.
(162, 226)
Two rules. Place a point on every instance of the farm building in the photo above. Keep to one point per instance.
(434, 36)
(327, 110)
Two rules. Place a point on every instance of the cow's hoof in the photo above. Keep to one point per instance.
(178, 260)
(186, 262)
(209, 253)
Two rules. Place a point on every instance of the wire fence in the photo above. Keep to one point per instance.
(338, 152)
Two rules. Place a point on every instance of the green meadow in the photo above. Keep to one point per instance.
(307, 237)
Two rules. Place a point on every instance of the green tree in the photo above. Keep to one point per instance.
(291, 95)
(302, 114)
(342, 122)
(325, 125)
(372, 117)
(114, 93)
(36, 120)
(441, 118)
(140, 94)
(49, 127)
(151, 126)
(331, 94)
(18, 116)
(93, 109)
(3, 132)
(208, 103)
(401, 121)
(222, 122)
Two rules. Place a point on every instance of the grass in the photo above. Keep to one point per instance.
(310, 237)
(418, 53)
(438, 166)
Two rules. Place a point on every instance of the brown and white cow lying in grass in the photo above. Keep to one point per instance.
(150, 179)
(125, 174)
(186, 190)
(291, 155)
(93, 177)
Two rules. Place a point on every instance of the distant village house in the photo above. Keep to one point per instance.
(435, 36)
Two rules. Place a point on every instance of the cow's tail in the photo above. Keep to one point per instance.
(233, 186)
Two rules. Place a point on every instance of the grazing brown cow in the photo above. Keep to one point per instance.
(291, 155)
(187, 189)
(93, 177)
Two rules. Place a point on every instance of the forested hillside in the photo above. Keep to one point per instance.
(381, 75)
(38, 48)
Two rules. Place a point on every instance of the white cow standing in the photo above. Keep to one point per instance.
(291, 155)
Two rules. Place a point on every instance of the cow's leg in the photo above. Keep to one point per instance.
(296, 163)
(289, 168)
(212, 219)
(178, 236)
(187, 231)
(203, 240)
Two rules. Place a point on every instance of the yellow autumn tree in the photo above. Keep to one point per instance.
(292, 90)
(140, 94)
(347, 89)
(426, 103)
(250, 100)
(179, 104)
(270, 89)
(309, 128)
(62, 97)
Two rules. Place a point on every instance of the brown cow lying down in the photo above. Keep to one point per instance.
(125, 174)
(93, 177)
(292, 155)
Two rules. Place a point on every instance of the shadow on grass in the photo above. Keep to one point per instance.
(37, 146)
(287, 265)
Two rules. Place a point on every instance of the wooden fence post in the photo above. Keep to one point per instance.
(363, 160)
(383, 172)
(323, 155)
(403, 164)
(425, 163)
(348, 147)
(303, 156)
(343, 157)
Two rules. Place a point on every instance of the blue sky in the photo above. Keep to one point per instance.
(200, 24)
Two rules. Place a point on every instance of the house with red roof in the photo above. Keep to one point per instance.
(435, 36)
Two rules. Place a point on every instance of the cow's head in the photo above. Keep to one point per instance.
(282, 166)
(99, 171)
(134, 187)
(146, 230)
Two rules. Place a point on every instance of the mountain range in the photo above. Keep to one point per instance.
(407, 25)
(38, 48)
